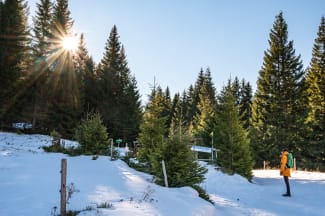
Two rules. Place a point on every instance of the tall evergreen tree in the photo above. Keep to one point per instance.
(206, 110)
(153, 128)
(119, 105)
(36, 88)
(130, 104)
(245, 108)
(42, 28)
(85, 70)
(316, 101)
(178, 121)
(14, 57)
(203, 98)
(64, 107)
(276, 113)
(109, 84)
(231, 138)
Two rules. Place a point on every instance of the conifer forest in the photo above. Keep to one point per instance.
(55, 87)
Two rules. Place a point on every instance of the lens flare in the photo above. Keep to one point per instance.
(70, 43)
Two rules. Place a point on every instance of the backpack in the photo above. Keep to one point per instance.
(290, 160)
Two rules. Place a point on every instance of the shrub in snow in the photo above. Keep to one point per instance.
(92, 135)
(181, 167)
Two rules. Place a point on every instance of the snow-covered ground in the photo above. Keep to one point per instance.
(30, 184)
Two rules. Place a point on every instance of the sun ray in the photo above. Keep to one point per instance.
(70, 43)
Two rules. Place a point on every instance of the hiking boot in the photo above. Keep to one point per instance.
(286, 195)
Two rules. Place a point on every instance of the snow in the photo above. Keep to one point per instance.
(30, 184)
(201, 149)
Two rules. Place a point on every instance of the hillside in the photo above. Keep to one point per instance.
(30, 183)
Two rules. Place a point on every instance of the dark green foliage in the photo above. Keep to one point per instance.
(92, 136)
(202, 193)
(201, 101)
(42, 29)
(64, 108)
(315, 82)
(181, 167)
(35, 88)
(277, 111)
(231, 138)
(153, 128)
(62, 22)
(86, 77)
(14, 57)
(119, 98)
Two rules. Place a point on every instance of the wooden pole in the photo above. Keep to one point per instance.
(63, 186)
(112, 149)
(164, 172)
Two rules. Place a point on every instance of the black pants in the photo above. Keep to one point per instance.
(286, 181)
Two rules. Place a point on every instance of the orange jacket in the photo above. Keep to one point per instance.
(284, 171)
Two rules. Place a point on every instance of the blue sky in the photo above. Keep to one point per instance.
(171, 40)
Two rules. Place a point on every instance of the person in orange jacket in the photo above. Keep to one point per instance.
(285, 171)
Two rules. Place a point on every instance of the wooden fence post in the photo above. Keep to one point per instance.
(63, 186)
(164, 172)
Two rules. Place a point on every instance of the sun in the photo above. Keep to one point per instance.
(70, 43)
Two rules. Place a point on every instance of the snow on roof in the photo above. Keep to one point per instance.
(201, 149)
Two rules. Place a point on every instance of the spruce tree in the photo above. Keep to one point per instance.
(206, 110)
(178, 121)
(119, 104)
(64, 100)
(92, 135)
(14, 57)
(231, 138)
(245, 108)
(36, 90)
(181, 167)
(42, 29)
(202, 99)
(109, 83)
(276, 115)
(153, 127)
(315, 81)
(130, 104)
(85, 71)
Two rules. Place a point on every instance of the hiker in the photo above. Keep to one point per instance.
(285, 171)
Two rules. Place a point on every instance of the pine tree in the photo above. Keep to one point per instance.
(120, 104)
(85, 71)
(36, 89)
(42, 28)
(231, 138)
(245, 108)
(130, 104)
(153, 128)
(181, 167)
(64, 99)
(276, 115)
(92, 135)
(14, 57)
(109, 83)
(178, 121)
(206, 110)
(316, 101)
(202, 99)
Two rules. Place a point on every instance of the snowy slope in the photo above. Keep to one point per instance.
(30, 183)
(233, 195)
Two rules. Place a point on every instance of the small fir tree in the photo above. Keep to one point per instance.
(181, 167)
(92, 135)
